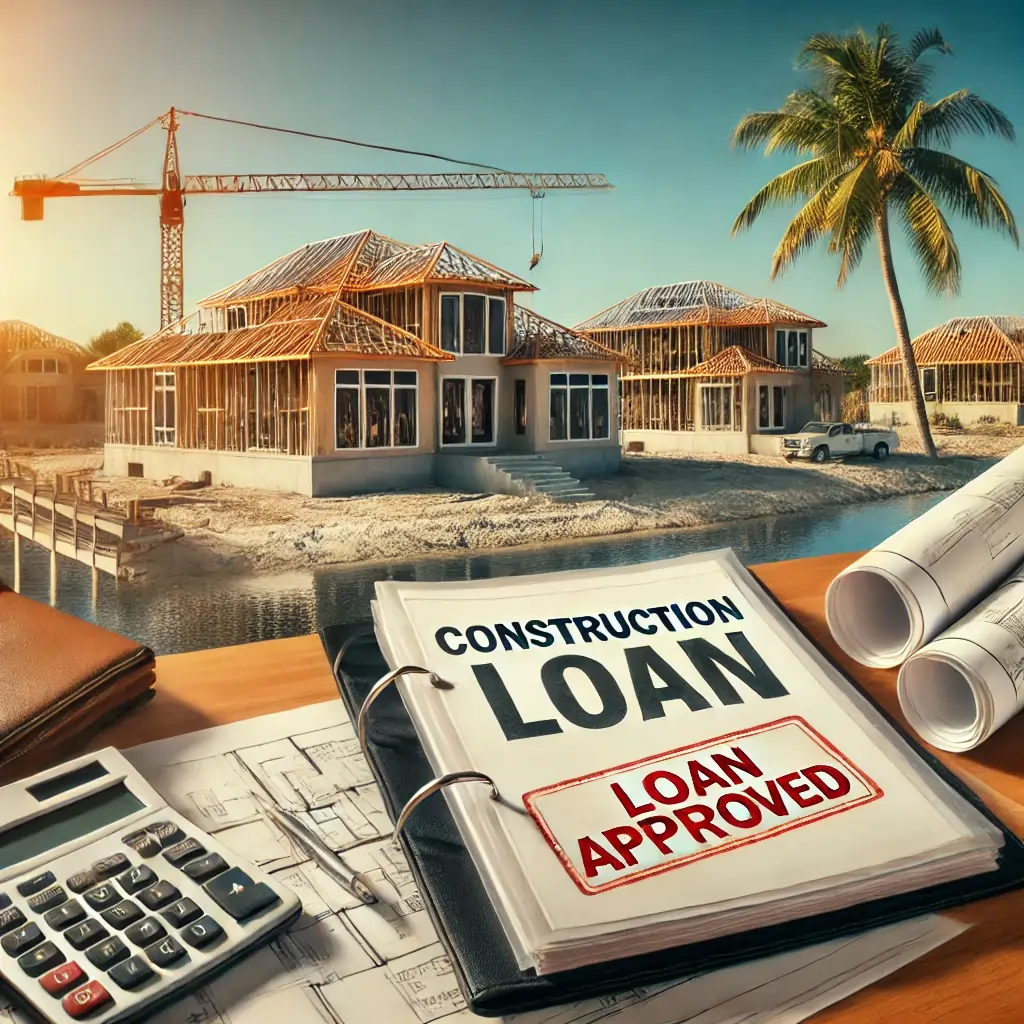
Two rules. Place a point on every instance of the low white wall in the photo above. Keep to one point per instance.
(337, 477)
(266, 471)
(967, 412)
(765, 444)
(725, 442)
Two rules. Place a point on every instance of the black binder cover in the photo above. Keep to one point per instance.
(467, 925)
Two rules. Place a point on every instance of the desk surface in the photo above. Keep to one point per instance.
(975, 979)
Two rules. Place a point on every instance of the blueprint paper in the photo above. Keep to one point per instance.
(346, 963)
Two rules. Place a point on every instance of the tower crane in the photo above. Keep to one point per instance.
(174, 187)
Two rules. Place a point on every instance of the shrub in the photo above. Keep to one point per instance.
(938, 419)
(953, 422)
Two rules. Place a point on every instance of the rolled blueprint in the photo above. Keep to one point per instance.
(905, 591)
(958, 689)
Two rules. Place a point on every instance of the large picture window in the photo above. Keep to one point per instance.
(793, 349)
(579, 407)
(375, 408)
(771, 406)
(473, 324)
(163, 408)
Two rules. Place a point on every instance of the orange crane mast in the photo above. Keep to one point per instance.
(174, 187)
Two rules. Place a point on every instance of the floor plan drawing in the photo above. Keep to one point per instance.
(347, 963)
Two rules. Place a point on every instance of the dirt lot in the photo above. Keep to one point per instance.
(235, 530)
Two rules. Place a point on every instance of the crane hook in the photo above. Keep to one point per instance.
(538, 198)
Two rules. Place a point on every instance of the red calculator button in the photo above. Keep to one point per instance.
(63, 977)
(85, 1000)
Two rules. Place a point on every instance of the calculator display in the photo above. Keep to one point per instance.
(65, 824)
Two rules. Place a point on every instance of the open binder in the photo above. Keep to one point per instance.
(455, 896)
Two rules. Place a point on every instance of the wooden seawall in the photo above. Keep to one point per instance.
(66, 518)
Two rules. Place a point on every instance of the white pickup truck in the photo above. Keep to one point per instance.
(820, 442)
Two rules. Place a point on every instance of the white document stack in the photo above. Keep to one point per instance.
(943, 598)
(673, 760)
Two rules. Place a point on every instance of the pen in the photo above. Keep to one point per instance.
(324, 857)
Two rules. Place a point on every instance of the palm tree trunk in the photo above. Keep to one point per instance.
(899, 319)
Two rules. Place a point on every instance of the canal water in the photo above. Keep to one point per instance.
(212, 612)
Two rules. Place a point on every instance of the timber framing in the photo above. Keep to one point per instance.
(967, 359)
(674, 338)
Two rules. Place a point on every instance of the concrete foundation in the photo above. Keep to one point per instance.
(967, 412)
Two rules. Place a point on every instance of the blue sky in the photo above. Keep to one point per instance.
(644, 92)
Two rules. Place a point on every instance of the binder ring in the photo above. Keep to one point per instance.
(382, 684)
(435, 786)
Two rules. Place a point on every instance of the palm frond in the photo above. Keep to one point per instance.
(805, 230)
(778, 131)
(961, 113)
(925, 40)
(930, 236)
(800, 182)
(851, 214)
(968, 191)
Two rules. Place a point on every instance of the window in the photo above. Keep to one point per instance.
(62, 367)
(771, 407)
(163, 408)
(34, 366)
(473, 324)
(792, 348)
(519, 405)
(928, 384)
(236, 317)
(468, 410)
(375, 409)
(49, 366)
(716, 406)
(579, 407)
(31, 402)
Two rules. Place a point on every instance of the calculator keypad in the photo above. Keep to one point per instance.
(107, 867)
(166, 833)
(102, 896)
(137, 878)
(63, 978)
(131, 973)
(142, 843)
(105, 954)
(10, 918)
(126, 948)
(37, 882)
(145, 932)
(48, 898)
(80, 881)
(235, 892)
(165, 952)
(42, 958)
(157, 896)
(124, 914)
(65, 915)
(85, 934)
(24, 938)
(85, 1000)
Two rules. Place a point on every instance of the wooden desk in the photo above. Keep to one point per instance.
(975, 979)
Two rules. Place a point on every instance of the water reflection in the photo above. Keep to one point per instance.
(210, 613)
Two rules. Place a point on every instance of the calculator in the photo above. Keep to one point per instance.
(113, 905)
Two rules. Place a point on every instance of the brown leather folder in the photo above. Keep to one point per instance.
(61, 680)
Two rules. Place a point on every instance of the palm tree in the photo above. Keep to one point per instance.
(867, 131)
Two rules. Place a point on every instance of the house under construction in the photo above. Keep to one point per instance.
(712, 369)
(362, 363)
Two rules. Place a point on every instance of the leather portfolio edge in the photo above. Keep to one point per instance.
(467, 925)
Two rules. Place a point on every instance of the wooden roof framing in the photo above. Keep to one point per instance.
(734, 361)
(535, 337)
(823, 364)
(972, 339)
(17, 336)
(297, 330)
(364, 261)
(695, 303)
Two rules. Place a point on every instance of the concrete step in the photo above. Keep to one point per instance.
(537, 474)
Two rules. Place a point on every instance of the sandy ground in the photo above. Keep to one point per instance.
(237, 530)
